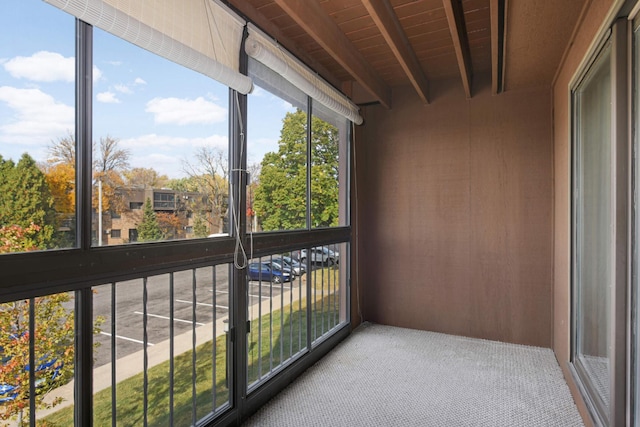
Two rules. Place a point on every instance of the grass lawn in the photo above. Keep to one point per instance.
(273, 339)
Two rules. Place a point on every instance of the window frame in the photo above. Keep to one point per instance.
(615, 413)
(80, 268)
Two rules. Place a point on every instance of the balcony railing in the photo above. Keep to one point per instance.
(162, 342)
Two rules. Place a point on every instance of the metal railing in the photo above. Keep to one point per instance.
(162, 339)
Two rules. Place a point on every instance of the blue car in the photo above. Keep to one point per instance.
(268, 272)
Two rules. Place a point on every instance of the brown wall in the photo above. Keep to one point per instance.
(455, 210)
(586, 32)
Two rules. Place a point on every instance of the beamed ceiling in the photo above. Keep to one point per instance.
(367, 47)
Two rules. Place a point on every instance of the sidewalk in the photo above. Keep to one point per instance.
(132, 364)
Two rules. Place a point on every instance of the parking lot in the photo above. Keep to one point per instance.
(199, 297)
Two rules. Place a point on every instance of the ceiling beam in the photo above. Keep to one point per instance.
(387, 22)
(498, 18)
(457, 27)
(255, 16)
(323, 29)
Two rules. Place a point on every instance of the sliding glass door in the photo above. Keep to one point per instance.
(593, 234)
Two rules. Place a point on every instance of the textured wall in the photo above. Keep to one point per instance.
(455, 210)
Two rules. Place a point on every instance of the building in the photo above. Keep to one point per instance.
(120, 223)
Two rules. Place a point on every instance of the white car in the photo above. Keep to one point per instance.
(320, 254)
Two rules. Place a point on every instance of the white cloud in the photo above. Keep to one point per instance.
(37, 117)
(185, 111)
(46, 67)
(107, 98)
(139, 81)
(42, 66)
(97, 74)
(122, 88)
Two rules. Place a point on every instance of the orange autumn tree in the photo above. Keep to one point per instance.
(170, 225)
(53, 340)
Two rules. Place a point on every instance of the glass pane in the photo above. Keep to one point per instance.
(277, 310)
(328, 168)
(53, 344)
(276, 153)
(594, 238)
(175, 326)
(37, 121)
(328, 295)
(161, 162)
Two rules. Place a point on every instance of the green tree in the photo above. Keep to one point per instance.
(25, 199)
(200, 228)
(149, 229)
(324, 173)
(281, 194)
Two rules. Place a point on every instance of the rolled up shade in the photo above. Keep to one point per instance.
(263, 49)
(202, 35)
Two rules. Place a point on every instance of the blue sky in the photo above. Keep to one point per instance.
(158, 110)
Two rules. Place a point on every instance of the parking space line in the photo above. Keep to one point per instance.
(251, 295)
(202, 303)
(125, 338)
(168, 318)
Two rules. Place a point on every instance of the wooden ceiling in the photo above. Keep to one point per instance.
(366, 47)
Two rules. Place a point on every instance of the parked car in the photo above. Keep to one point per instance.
(268, 272)
(297, 268)
(320, 254)
(279, 265)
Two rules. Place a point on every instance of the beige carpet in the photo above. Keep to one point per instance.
(386, 376)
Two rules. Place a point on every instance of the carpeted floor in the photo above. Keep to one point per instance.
(387, 376)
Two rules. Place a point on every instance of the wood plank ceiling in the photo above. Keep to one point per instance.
(366, 47)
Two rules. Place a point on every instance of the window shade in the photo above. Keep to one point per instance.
(202, 35)
(263, 49)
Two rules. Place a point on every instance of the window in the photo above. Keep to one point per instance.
(277, 153)
(159, 137)
(164, 201)
(37, 119)
(593, 239)
(160, 132)
(328, 168)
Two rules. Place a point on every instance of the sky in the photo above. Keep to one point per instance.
(160, 111)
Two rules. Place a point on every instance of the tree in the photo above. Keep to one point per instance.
(14, 238)
(54, 351)
(200, 228)
(110, 157)
(148, 229)
(146, 177)
(63, 150)
(281, 194)
(61, 179)
(170, 225)
(210, 173)
(53, 338)
(108, 167)
(25, 199)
